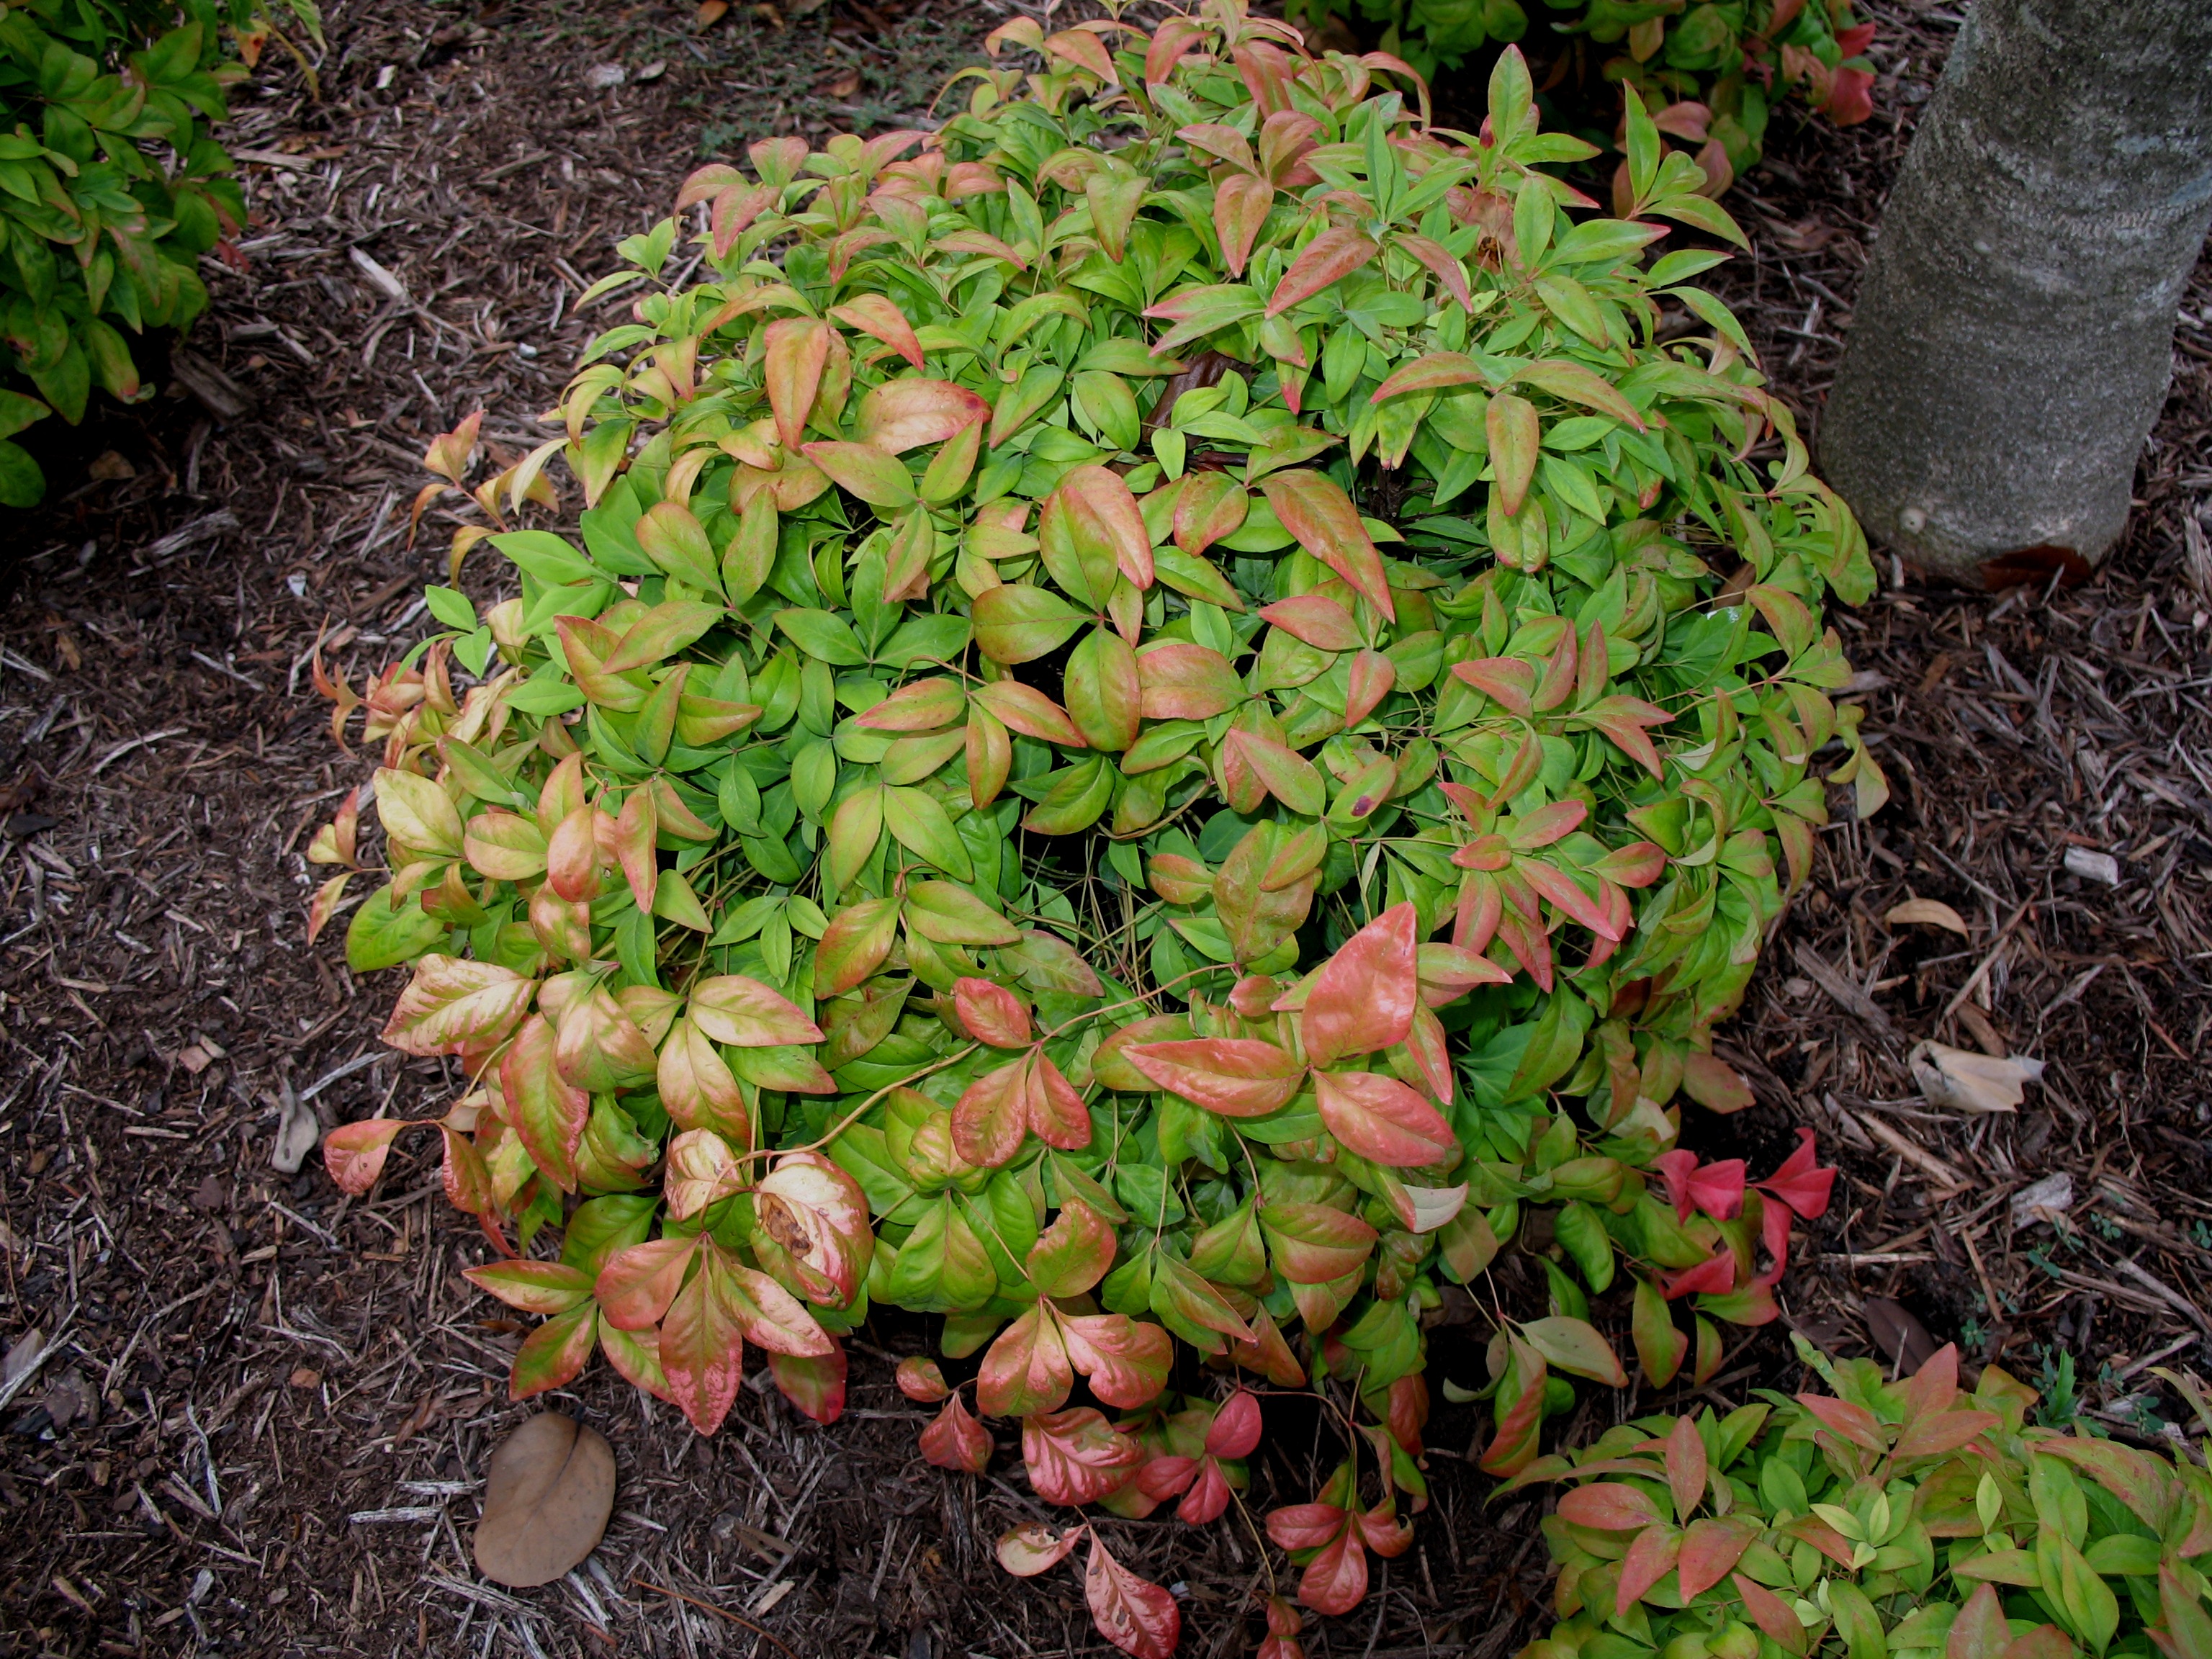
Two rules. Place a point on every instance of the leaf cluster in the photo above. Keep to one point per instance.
(1138, 745)
(1902, 1518)
(112, 185)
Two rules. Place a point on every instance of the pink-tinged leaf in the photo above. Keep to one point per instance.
(1236, 1429)
(1715, 1276)
(1713, 1084)
(1086, 51)
(798, 349)
(1387, 1532)
(1575, 1346)
(746, 1014)
(1652, 1556)
(992, 1013)
(353, 1153)
(1981, 1630)
(1511, 426)
(1716, 1188)
(1335, 1581)
(454, 1004)
(1438, 371)
(702, 1350)
(1943, 1432)
(1546, 825)
(1508, 681)
(1235, 1077)
(955, 1440)
(1181, 681)
(1267, 1353)
(1686, 1467)
(1329, 258)
(918, 705)
(1056, 1114)
(871, 313)
(1317, 619)
(539, 1287)
(1851, 97)
(637, 1283)
(858, 940)
(1367, 683)
(1027, 1370)
(547, 1111)
(919, 1379)
(1134, 1613)
(1305, 1526)
(1573, 383)
(1071, 1254)
(1800, 1182)
(1770, 1614)
(991, 1115)
(1208, 1495)
(880, 480)
(1315, 1243)
(1364, 997)
(1449, 972)
(772, 1317)
(1382, 1119)
(1638, 864)
(1162, 1478)
(1853, 1423)
(1174, 40)
(813, 1229)
(1212, 504)
(1441, 265)
(1609, 1506)
(1316, 510)
(1241, 202)
(552, 1355)
(905, 413)
(815, 1383)
(1033, 1547)
(1025, 709)
(1710, 1550)
(1623, 720)
(701, 1170)
(1100, 506)
(1126, 1359)
(1077, 1457)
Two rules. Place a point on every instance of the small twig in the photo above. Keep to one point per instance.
(1981, 972)
(708, 1607)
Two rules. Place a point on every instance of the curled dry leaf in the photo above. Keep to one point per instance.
(2045, 1202)
(1968, 1082)
(547, 1496)
(1933, 912)
(1899, 1334)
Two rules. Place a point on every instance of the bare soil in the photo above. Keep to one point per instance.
(266, 1409)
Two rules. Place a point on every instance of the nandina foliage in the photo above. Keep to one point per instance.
(1888, 1518)
(1713, 71)
(112, 185)
(1168, 724)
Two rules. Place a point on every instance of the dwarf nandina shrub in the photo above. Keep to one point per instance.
(1890, 1518)
(111, 188)
(1145, 743)
(1711, 73)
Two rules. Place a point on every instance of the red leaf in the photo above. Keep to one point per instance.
(1406, 1413)
(1027, 1370)
(1162, 1478)
(1799, 1182)
(1057, 1115)
(1076, 1457)
(1126, 1360)
(1367, 683)
(1651, 1557)
(1316, 510)
(637, 1283)
(1770, 1614)
(992, 1115)
(1071, 1254)
(1981, 1630)
(1329, 258)
(1387, 1533)
(1943, 1431)
(1033, 1547)
(955, 1440)
(1715, 1276)
(1305, 1526)
(1609, 1506)
(1335, 1581)
(1364, 997)
(1854, 1423)
(1850, 98)
(992, 1013)
(1208, 1496)
(813, 1382)
(1236, 1429)
(1185, 681)
(1317, 620)
(1382, 1119)
(919, 1379)
(703, 1348)
(1853, 42)
(1710, 1550)
(353, 1153)
(1715, 1188)
(1235, 1077)
(551, 1355)
(1134, 1613)
(1686, 1467)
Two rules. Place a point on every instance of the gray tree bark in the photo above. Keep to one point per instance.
(2012, 341)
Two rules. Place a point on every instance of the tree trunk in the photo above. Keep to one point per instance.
(2012, 341)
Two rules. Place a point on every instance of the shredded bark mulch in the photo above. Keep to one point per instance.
(261, 1414)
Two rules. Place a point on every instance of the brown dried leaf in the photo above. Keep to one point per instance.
(1933, 912)
(1899, 1334)
(547, 1496)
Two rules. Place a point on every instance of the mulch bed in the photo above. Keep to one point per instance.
(266, 1408)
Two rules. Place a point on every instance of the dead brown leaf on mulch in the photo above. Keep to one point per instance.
(259, 1415)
